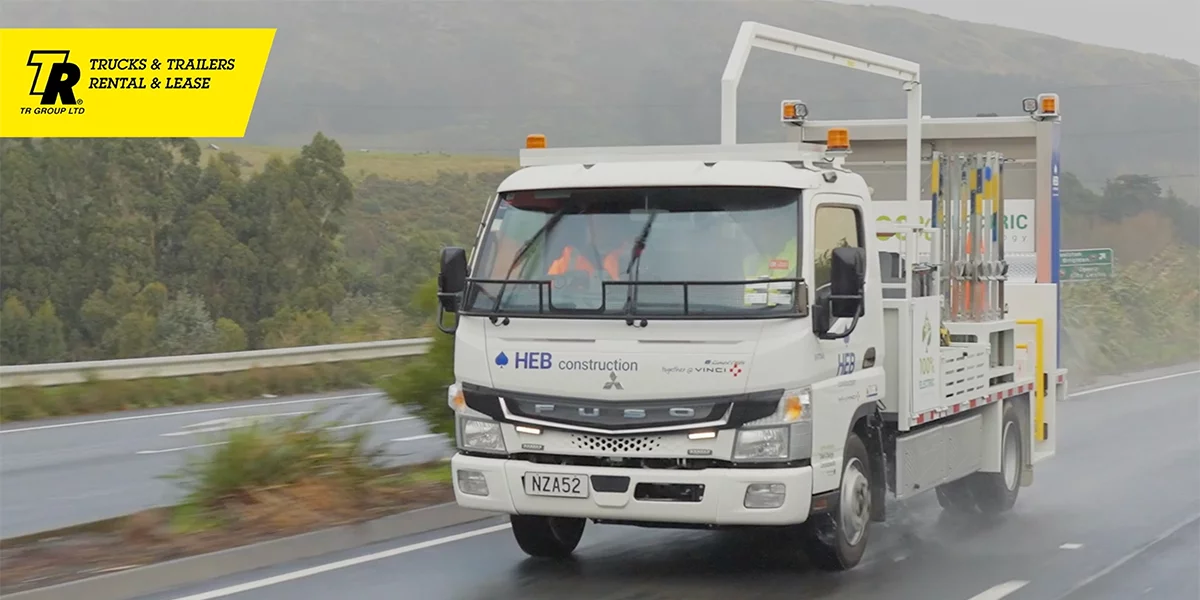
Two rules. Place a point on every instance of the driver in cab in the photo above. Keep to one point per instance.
(586, 236)
(774, 257)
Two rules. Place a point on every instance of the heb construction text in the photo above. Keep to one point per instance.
(543, 361)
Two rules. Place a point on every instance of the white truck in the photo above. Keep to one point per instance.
(762, 335)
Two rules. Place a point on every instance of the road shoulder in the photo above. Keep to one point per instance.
(160, 577)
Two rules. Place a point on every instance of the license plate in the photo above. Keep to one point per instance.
(556, 484)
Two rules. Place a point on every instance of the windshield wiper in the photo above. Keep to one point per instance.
(550, 224)
(635, 262)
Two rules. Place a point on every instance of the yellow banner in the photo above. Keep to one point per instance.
(93, 83)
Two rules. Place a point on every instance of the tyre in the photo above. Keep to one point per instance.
(547, 537)
(996, 493)
(956, 497)
(836, 541)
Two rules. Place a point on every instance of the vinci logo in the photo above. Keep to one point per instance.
(54, 77)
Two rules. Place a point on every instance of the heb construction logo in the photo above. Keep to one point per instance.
(136, 82)
(54, 80)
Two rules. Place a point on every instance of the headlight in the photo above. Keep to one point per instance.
(761, 444)
(482, 435)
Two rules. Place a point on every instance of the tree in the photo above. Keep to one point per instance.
(184, 327)
(46, 342)
(14, 325)
(230, 336)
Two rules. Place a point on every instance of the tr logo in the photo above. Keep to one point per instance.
(55, 77)
(612, 383)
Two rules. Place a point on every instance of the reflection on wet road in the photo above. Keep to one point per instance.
(1112, 516)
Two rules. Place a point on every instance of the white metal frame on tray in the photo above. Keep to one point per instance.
(756, 35)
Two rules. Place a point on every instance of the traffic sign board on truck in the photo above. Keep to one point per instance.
(717, 336)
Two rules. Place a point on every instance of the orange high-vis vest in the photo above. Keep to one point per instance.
(563, 263)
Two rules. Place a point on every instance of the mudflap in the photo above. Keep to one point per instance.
(879, 467)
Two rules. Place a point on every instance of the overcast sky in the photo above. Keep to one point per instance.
(1167, 27)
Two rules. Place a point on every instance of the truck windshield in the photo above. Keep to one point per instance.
(701, 247)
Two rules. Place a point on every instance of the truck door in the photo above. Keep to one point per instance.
(838, 221)
(848, 386)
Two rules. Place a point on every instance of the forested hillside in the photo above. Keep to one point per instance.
(126, 248)
(477, 77)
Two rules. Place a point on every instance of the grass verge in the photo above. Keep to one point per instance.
(1146, 316)
(28, 403)
(265, 482)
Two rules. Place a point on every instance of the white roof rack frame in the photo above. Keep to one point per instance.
(790, 152)
(757, 35)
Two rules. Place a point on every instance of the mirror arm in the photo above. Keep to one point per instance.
(845, 334)
(853, 323)
(441, 325)
(444, 296)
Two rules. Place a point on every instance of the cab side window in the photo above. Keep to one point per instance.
(834, 226)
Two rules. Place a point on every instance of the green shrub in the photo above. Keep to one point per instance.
(263, 456)
(420, 386)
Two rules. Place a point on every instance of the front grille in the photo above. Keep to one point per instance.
(616, 444)
(640, 462)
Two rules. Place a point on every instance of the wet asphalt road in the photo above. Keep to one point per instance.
(1113, 516)
(60, 472)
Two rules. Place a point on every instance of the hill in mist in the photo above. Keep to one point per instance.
(476, 76)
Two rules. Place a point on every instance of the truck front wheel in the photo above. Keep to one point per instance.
(547, 537)
(836, 541)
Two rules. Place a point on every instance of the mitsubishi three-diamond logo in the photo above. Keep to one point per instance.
(612, 383)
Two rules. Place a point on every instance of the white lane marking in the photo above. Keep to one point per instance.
(1118, 386)
(236, 423)
(1071, 546)
(195, 411)
(341, 564)
(379, 422)
(997, 592)
(180, 449)
(231, 423)
(1132, 555)
(413, 438)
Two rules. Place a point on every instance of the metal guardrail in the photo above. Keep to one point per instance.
(197, 364)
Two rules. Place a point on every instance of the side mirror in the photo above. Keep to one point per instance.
(847, 277)
(452, 279)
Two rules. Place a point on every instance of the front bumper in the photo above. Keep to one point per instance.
(721, 503)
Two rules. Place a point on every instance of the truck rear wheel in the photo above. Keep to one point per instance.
(996, 493)
(836, 541)
(547, 537)
(956, 497)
